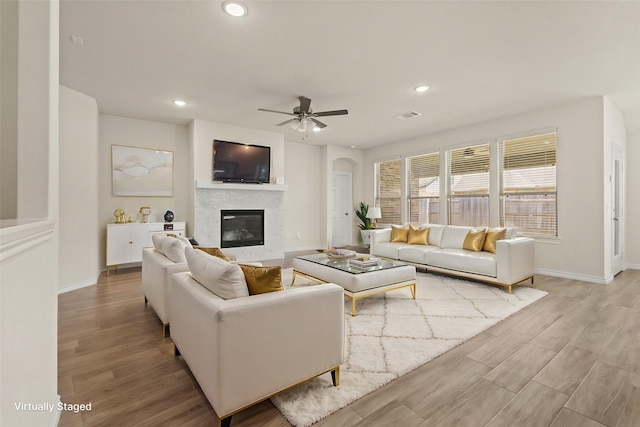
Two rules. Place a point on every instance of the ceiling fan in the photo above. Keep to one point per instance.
(304, 117)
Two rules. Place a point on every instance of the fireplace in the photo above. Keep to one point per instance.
(240, 228)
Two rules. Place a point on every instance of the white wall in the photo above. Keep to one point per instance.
(302, 201)
(632, 202)
(579, 250)
(79, 227)
(9, 110)
(33, 113)
(29, 251)
(115, 130)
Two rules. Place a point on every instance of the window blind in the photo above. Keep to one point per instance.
(388, 190)
(468, 191)
(424, 188)
(528, 191)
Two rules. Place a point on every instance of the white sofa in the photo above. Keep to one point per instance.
(246, 349)
(512, 263)
(157, 270)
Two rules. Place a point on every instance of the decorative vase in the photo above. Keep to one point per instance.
(168, 216)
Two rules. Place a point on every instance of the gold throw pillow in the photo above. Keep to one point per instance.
(493, 234)
(418, 236)
(399, 234)
(261, 280)
(474, 240)
(216, 252)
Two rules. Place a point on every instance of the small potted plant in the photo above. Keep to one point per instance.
(365, 223)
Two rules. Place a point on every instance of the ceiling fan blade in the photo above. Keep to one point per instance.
(274, 111)
(305, 103)
(330, 113)
(318, 123)
(287, 121)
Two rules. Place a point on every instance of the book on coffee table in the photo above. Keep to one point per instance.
(364, 262)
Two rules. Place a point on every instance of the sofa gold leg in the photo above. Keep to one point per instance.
(293, 278)
(353, 307)
(335, 376)
(413, 290)
(165, 330)
(509, 289)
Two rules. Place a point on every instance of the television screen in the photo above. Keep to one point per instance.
(235, 162)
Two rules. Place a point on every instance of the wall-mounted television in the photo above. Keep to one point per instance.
(236, 162)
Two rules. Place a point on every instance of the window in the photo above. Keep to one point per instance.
(388, 191)
(424, 188)
(528, 184)
(468, 192)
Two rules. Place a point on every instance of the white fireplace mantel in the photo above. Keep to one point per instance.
(236, 186)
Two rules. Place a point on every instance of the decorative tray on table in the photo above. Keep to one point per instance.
(339, 253)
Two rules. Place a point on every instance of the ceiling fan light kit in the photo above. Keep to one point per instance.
(303, 116)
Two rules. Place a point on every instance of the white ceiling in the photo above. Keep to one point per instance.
(483, 60)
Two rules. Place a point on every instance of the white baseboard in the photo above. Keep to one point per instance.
(633, 266)
(78, 286)
(55, 414)
(573, 276)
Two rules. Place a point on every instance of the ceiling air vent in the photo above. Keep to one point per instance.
(408, 115)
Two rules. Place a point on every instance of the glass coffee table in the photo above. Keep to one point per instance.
(357, 282)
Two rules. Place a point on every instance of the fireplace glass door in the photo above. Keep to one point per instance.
(241, 228)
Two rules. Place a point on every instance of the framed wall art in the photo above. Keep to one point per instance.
(141, 171)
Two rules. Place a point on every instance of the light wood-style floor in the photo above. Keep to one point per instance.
(570, 359)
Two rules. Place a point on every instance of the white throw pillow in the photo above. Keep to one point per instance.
(221, 277)
(186, 241)
(157, 239)
(173, 248)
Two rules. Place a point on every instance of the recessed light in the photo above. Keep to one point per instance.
(352, 146)
(235, 8)
(179, 102)
(422, 88)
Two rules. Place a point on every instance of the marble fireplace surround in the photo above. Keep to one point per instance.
(212, 198)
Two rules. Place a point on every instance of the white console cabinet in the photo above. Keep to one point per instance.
(125, 241)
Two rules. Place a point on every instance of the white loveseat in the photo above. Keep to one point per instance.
(159, 264)
(512, 263)
(157, 271)
(246, 349)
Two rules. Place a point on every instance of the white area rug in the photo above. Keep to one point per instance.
(394, 334)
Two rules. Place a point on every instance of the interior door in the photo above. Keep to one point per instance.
(342, 203)
(617, 262)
